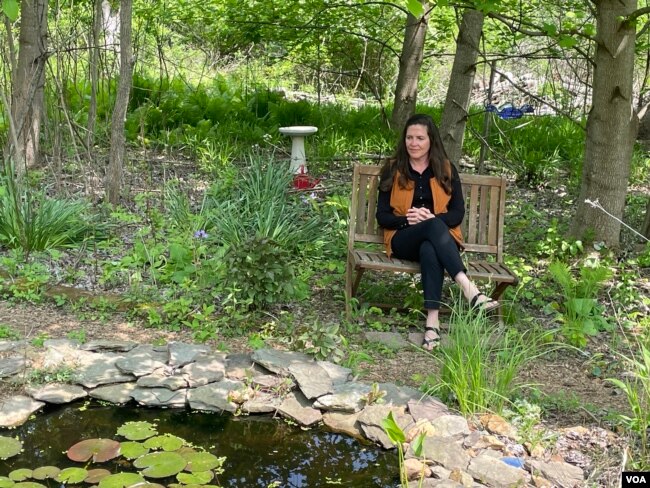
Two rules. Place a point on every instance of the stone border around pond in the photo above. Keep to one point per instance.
(295, 387)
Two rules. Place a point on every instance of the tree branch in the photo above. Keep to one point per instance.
(638, 13)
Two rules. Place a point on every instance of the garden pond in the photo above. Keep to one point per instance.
(185, 448)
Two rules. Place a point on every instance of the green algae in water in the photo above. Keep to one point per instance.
(259, 450)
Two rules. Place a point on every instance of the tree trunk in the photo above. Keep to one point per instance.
(406, 90)
(118, 139)
(27, 107)
(611, 126)
(94, 77)
(454, 114)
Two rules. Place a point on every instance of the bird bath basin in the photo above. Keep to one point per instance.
(298, 134)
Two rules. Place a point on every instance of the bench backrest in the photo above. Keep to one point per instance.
(485, 200)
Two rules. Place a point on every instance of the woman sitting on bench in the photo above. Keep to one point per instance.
(420, 207)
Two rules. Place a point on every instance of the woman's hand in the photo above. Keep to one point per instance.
(416, 215)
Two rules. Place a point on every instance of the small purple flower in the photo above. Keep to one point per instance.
(201, 234)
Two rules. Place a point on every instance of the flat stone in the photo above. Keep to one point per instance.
(348, 397)
(99, 369)
(496, 424)
(141, 361)
(215, 397)
(400, 395)
(312, 380)
(416, 469)
(561, 474)
(444, 451)
(58, 343)
(344, 423)
(119, 393)
(239, 366)
(12, 345)
(338, 374)
(11, 366)
(16, 410)
(296, 407)
(64, 353)
(372, 417)
(273, 382)
(278, 362)
(102, 345)
(494, 472)
(181, 354)
(205, 370)
(160, 397)
(57, 393)
(428, 408)
(162, 379)
(392, 340)
(450, 426)
(261, 402)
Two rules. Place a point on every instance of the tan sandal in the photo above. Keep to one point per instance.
(429, 344)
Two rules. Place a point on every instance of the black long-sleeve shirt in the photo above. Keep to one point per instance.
(423, 197)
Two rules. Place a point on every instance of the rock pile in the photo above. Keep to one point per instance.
(292, 385)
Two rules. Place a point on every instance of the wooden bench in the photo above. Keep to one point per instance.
(485, 200)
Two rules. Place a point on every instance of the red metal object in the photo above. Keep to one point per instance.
(302, 181)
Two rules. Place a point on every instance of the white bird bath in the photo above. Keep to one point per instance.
(298, 133)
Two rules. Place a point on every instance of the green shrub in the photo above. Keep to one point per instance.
(261, 272)
(580, 313)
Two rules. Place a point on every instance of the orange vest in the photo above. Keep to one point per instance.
(401, 200)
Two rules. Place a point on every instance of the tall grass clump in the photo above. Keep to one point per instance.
(636, 386)
(265, 228)
(480, 362)
(31, 221)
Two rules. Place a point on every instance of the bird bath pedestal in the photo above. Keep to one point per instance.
(298, 134)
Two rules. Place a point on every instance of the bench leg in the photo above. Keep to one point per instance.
(348, 290)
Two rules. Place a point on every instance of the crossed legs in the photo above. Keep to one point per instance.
(430, 244)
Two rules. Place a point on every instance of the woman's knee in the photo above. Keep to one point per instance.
(437, 232)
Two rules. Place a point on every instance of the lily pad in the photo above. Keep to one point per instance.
(29, 484)
(132, 450)
(202, 461)
(160, 464)
(137, 431)
(20, 474)
(100, 450)
(72, 476)
(199, 478)
(46, 472)
(121, 480)
(96, 475)
(9, 447)
(166, 442)
(146, 484)
(6, 482)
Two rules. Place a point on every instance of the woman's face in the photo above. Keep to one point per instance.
(417, 142)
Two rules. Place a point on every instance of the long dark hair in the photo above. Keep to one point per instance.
(438, 160)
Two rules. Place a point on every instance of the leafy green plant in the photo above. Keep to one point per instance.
(262, 206)
(323, 341)
(63, 374)
(398, 438)
(77, 335)
(6, 332)
(636, 387)
(580, 313)
(479, 362)
(31, 221)
(260, 272)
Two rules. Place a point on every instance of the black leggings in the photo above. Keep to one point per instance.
(430, 244)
